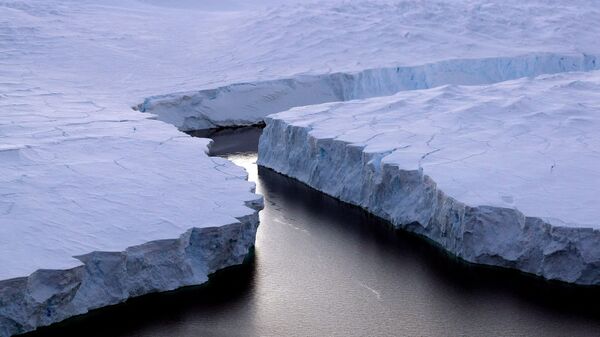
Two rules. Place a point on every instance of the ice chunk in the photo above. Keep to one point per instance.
(506, 174)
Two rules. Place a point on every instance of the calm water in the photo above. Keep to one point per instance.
(323, 268)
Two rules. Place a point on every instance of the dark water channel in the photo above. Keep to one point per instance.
(323, 268)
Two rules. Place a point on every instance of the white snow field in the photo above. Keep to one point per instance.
(100, 202)
(506, 174)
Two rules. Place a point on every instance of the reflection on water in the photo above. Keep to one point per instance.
(323, 268)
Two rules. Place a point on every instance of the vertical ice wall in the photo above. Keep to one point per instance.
(249, 103)
(384, 155)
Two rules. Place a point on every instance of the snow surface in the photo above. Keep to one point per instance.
(347, 50)
(527, 144)
(117, 54)
(517, 157)
(88, 184)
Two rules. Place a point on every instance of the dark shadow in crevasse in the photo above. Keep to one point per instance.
(230, 140)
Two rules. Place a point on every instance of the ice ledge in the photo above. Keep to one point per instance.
(248, 103)
(307, 146)
(105, 210)
(107, 278)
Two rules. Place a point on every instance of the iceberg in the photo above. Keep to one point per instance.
(505, 175)
(96, 212)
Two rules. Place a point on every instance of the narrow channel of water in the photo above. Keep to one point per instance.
(324, 268)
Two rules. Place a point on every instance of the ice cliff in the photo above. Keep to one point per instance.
(96, 209)
(249, 103)
(504, 175)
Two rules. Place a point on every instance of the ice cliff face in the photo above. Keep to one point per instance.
(106, 278)
(504, 175)
(249, 103)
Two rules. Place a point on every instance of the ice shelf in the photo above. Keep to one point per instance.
(505, 175)
(96, 210)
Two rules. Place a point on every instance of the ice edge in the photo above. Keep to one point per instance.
(248, 103)
(411, 201)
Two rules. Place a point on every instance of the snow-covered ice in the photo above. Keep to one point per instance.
(506, 174)
(82, 180)
(196, 66)
(99, 203)
(97, 206)
(83, 173)
(315, 53)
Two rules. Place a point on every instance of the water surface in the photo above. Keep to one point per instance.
(324, 268)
